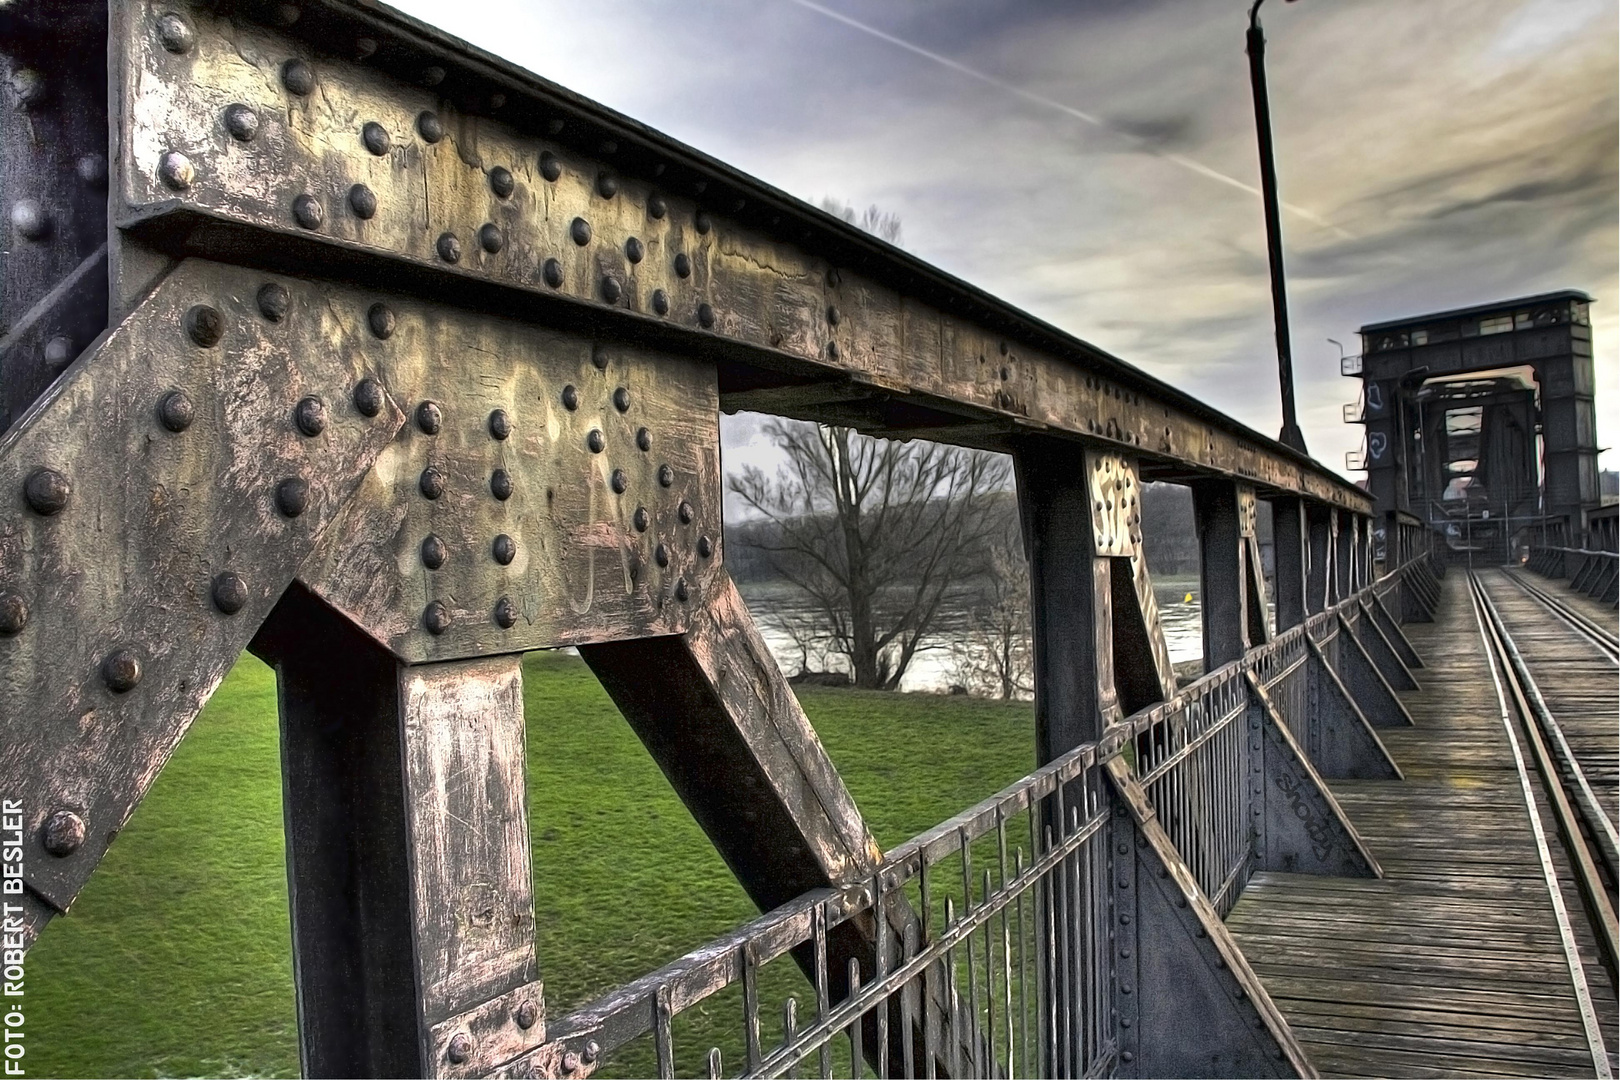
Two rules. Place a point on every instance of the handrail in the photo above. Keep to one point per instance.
(624, 1014)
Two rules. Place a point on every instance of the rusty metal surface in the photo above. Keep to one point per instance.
(156, 503)
(544, 202)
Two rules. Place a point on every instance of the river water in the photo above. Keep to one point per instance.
(774, 605)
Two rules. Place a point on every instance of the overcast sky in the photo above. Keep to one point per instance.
(1093, 161)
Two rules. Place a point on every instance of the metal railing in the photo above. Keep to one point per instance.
(993, 952)
(1592, 573)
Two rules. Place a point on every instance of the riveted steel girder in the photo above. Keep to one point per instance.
(351, 136)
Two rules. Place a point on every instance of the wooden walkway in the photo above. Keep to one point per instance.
(1452, 965)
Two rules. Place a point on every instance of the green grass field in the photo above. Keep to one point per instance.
(176, 959)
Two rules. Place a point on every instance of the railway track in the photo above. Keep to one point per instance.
(1603, 637)
(1570, 808)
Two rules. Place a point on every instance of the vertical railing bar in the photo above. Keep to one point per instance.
(952, 998)
(967, 944)
(1071, 871)
(930, 1020)
(715, 1069)
(857, 1058)
(908, 1007)
(663, 1042)
(1051, 1044)
(1060, 904)
(1023, 972)
(880, 911)
(750, 969)
(790, 1031)
(819, 931)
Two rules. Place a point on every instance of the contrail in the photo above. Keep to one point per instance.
(1084, 117)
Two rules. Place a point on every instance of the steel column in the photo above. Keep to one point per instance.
(1290, 539)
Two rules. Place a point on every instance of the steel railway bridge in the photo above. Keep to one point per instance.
(333, 338)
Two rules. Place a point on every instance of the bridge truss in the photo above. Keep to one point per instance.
(330, 337)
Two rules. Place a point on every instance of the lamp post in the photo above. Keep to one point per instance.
(1291, 434)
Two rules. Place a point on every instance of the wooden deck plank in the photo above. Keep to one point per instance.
(1452, 964)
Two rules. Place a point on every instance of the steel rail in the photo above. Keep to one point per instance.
(1602, 829)
(1607, 643)
(1600, 911)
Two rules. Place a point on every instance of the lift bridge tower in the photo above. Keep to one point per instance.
(1481, 422)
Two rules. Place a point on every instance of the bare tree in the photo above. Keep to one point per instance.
(995, 656)
(877, 222)
(874, 534)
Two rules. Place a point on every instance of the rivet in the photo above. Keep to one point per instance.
(660, 301)
(229, 592)
(641, 519)
(62, 834)
(429, 418)
(832, 350)
(92, 169)
(607, 185)
(834, 317)
(501, 182)
(683, 265)
(661, 555)
(13, 614)
(174, 169)
(121, 671)
(449, 247)
(611, 290)
(292, 495)
(705, 547)
(1125, 920)
(504, 549)
(1127, 1057)
(619, 481)
(363, 201)
(242, 123)
(656, 207)
(643, 439)
(552, 272)
(490, 238)
(434, 552)
(685, 512)
(29, 87)
(506, 616)
(682, 593)
(666, 476)
(500, 484)
(634, 250)
(580, 230)
(204, 325)
(381, 319)
(700, 187)
(274, 300)
(431, 483)
(1127, 988)
(591, 1052)
(287, 14)
(310, 416)
(368, 396)
(550, 166)
(705, 315)
(297, 76)
(174, 33)
(47, 491)
(701, 220)
(432, 75)
(527, 1012)
(570, 397)
(376, 138)
(500, 425)
(58, 351)
(595, 441)
(599, 358)
(621, 399)
(570, 1061)
(308, 212)
(436, 617)
(429, 126)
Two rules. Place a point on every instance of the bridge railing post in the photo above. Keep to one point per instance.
(1231, 581)
(1319, 521)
